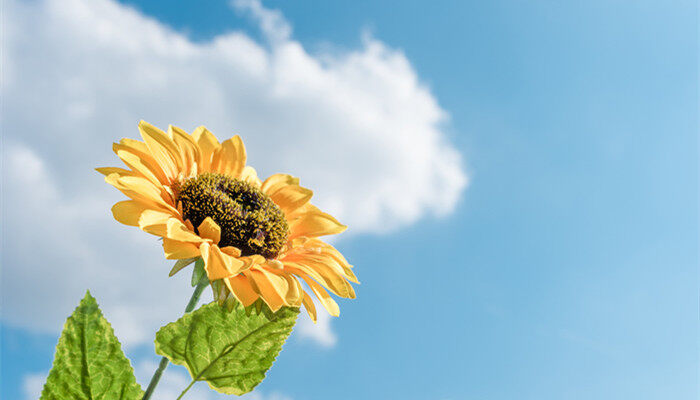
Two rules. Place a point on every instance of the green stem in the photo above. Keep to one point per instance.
(196, 295)
(164, 361)
(156, 378)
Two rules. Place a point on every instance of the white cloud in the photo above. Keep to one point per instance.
(320, 332)
(272, 22)
(55, 246)
(357, 126)
(32, 385)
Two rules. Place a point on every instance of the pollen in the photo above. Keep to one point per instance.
(249, 219)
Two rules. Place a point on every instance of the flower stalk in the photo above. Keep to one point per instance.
(164, 361)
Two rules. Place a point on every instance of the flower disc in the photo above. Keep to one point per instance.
(249, 219)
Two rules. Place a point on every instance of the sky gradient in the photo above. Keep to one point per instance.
(566, 268)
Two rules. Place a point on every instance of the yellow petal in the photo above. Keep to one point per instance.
(314, 224)
(315, 251)
(349, 275)
(233, 265)
(138, 165)
(175, 250)
(209, 229)
(330, 251)
(162, 148)
(323, 274)
(208, 144)
(141, 189)
(114, 170)
(332, 257)
(140, 150)
(309, 306)
(213, 265)
(136, 145)
(232, 251)
(189, 151)
(253, 260)
(205, 250)
(249, 175)
(295, 295)
(289, 198)
(230, 158)
(177, 230)
(318, 251)
(277, 181)
(154, 222)
(128, 212)
(323, 296)
(307, 208)
(292, 291)
(333, 273)
(270, 292)
(241, 290)
(218, 264)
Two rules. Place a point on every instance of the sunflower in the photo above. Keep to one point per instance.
(256, 238)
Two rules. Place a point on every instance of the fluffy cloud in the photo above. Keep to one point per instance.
(358, 127)
(320, 332)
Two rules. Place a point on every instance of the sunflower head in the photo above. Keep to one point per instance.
(257, 239)
(249, 219)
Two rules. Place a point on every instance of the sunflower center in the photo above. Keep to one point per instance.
(248, 218)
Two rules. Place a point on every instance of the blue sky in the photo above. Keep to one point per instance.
(567, 268)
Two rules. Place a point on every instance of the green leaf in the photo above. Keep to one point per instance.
(89, 362)
(228, 349)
